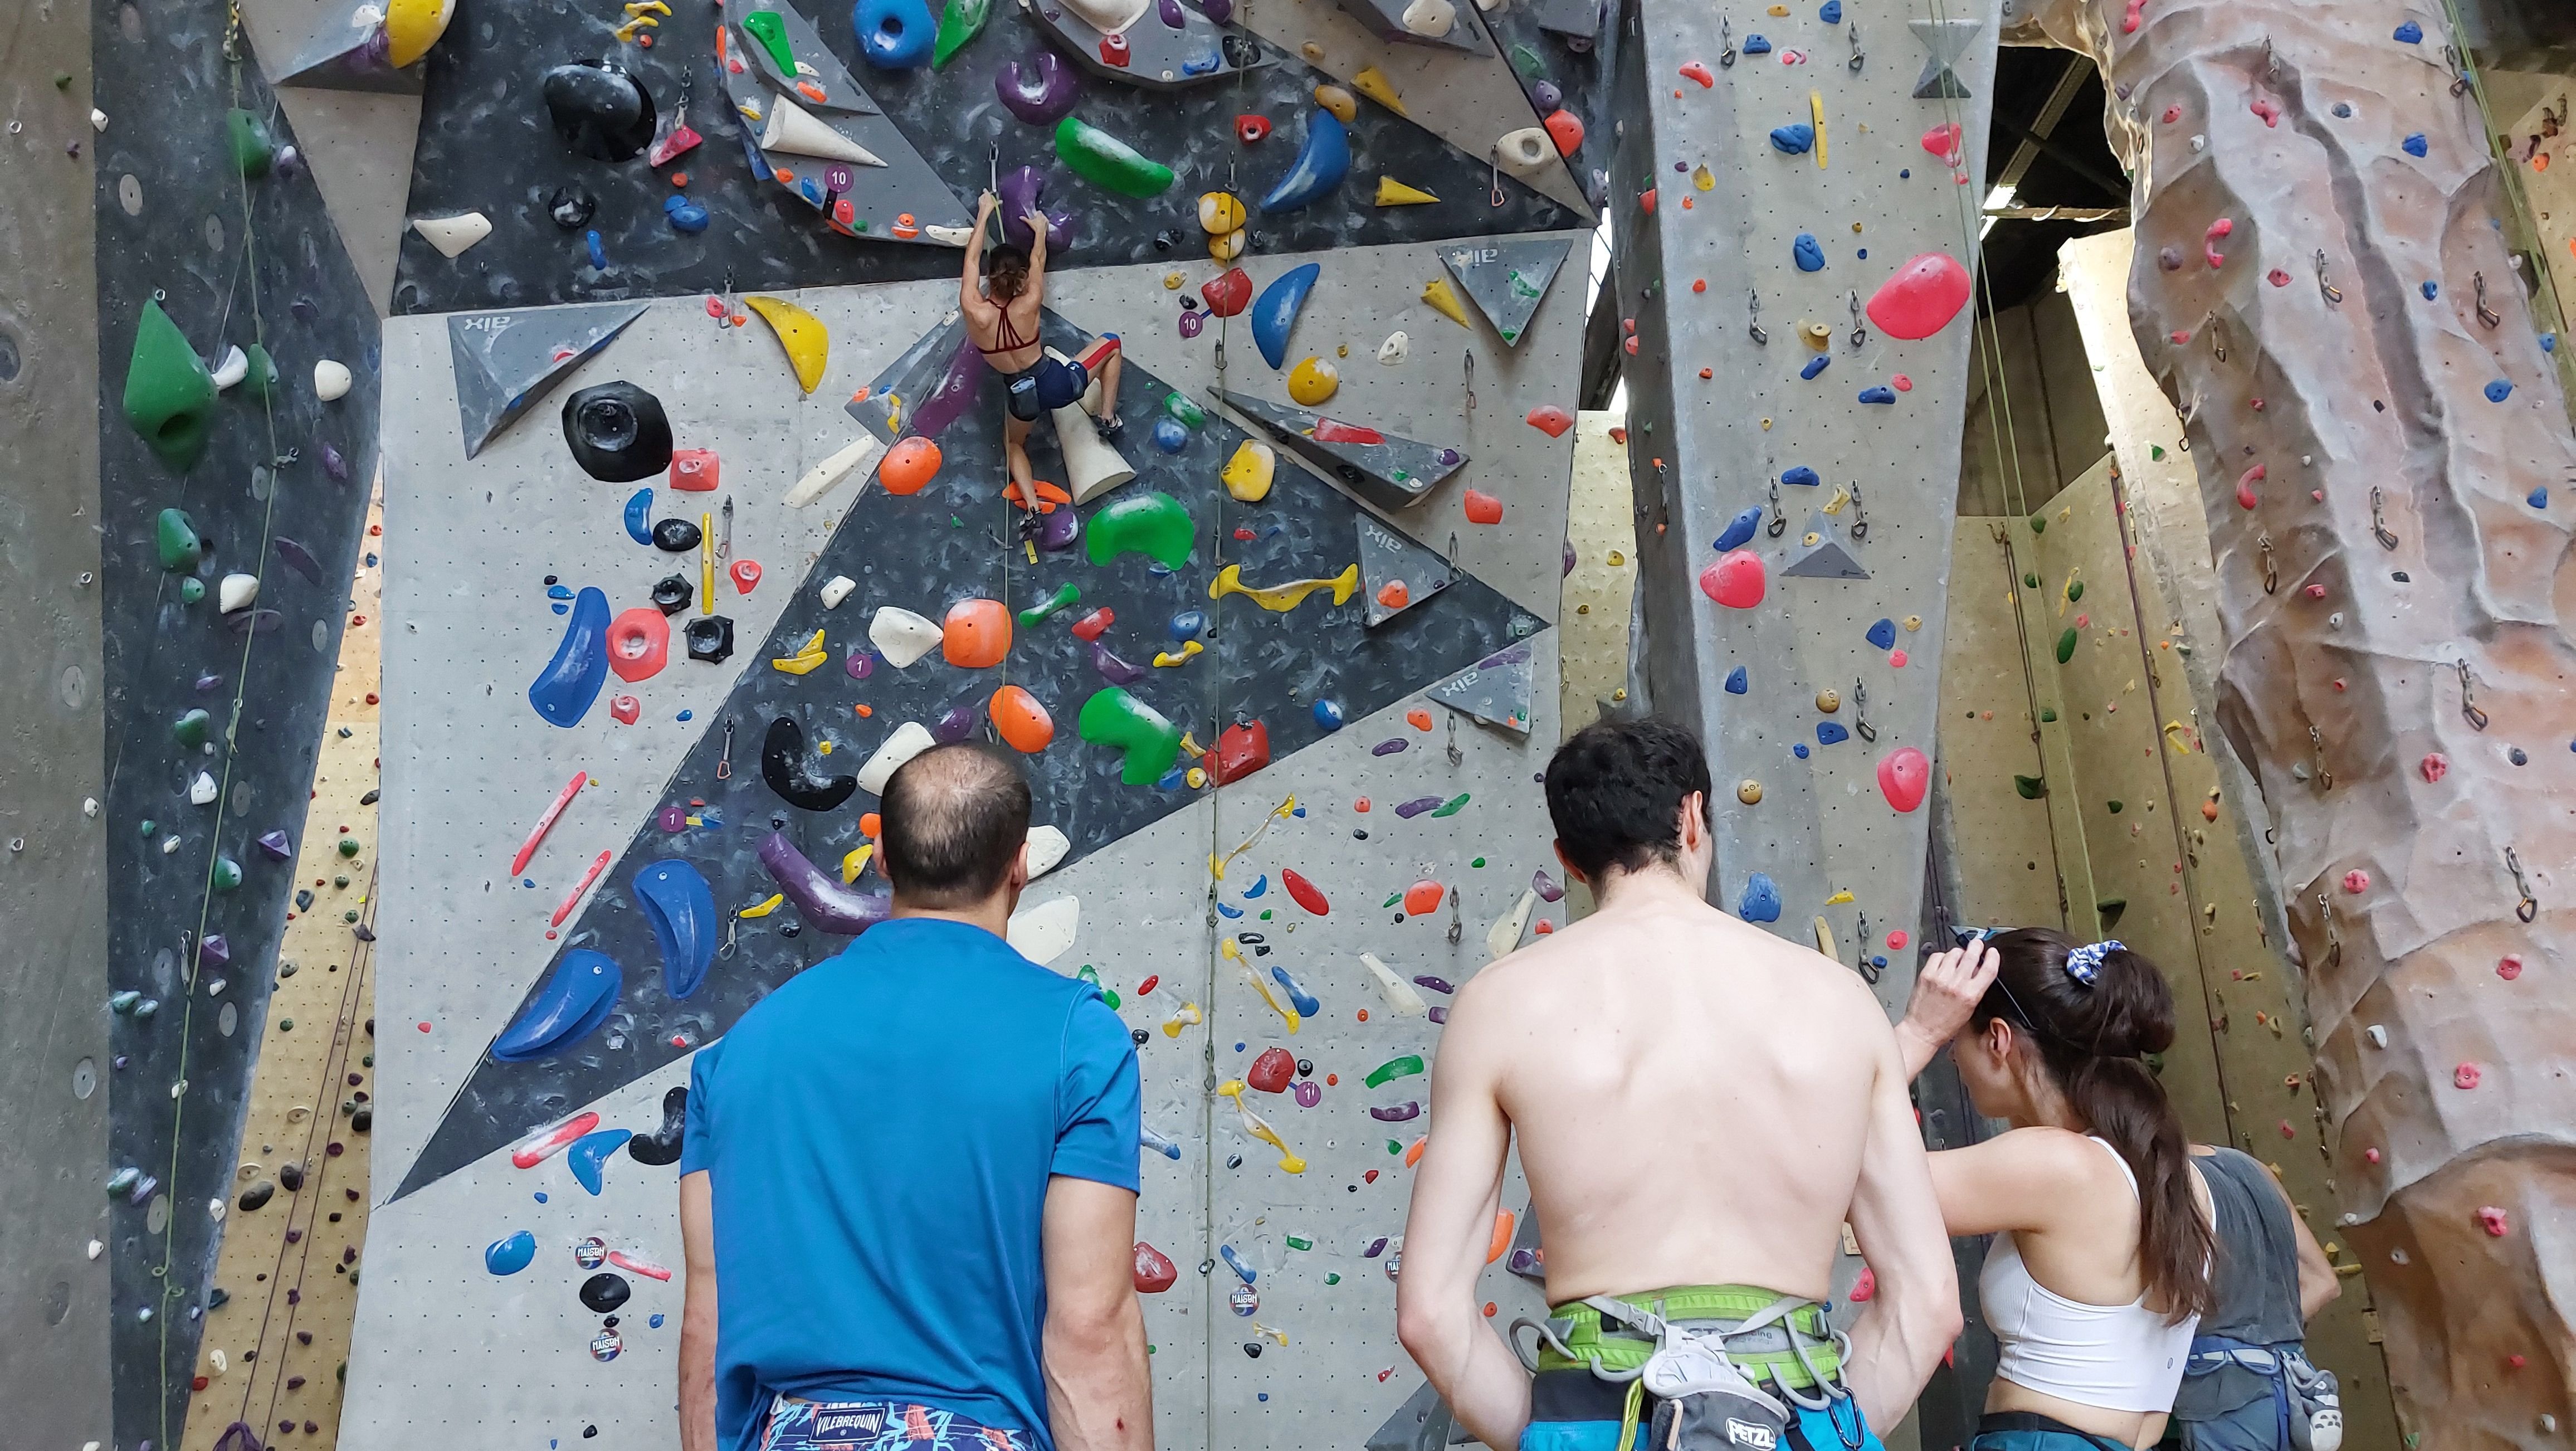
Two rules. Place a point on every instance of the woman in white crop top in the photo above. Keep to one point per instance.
(2099, 1269)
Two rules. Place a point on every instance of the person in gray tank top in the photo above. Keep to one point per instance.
(2248, 1385)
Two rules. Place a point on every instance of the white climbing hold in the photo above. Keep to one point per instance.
(96, 1248)
(97, 119)
(201, 792)
(1042, 933)
(1395, 349)
(234, 368)
(902, 636)
(236, 592)
(330, 380)
(836, 589)
(1048, 848)
(216, 1357)
(89, 807)
(170, 844)
(1401, 999)
(1109, 17)
(452, 235)
(1430, 19)
(1525, 152)
(858, 458)
(2378, 1035)
(909, 740)
(794, 130)
(1504, 937)
(2199, 143)
(948, 236)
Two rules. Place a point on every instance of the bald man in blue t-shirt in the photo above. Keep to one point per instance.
(913, 1169)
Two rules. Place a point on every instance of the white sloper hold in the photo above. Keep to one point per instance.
(1048, 848)
(1395, 349)
(234, 368)
(452, 235)
(236, 592)
(331, 380)
(909, 740)
(1526, 152)
(1504, 937)
(201, 792)
(1401, 999)
(1430, 19)
(1042, 933)
(859, 458)
(794, 130)
(835, 590)
(902, 636)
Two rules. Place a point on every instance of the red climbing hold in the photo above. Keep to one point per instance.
(1551, 420)
(1331, 430)
(1241, 749)
(2267, 108)
(2493, 1221)
(2356, 881)
(639, 640)
(1483, 508)
(2435, 766)
(1897, 939)
(1566, 130)
(694, 470)
(1273, 1071)
(745, 572)
(624, 709)
(2509, 967)
(2245, 483)
(1303, 892)
(1090, 626)
(1693, 70)
(1114, 51)
(1394, 595)
(1423, 897)
(1736, 579)
(1155, 1271)
(1865, 1288)
(1250, 129)
(1646, 201)
(1227, 295)
(2209, 240)
(1903, 776)
(1944, 141)
(1921, 298)
(2465, 1076)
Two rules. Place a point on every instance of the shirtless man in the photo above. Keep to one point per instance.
(1700, 1107)
(1003, 320)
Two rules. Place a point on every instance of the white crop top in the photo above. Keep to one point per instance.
(2115, 1357)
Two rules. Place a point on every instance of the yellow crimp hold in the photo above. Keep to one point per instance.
(1190, 744)
(1393, 193)
(765, 908)
(855, 863)
(805, 659)
(1187, 1017)
(1825, 939)
(1816, 108)
(1288, 1161)
(413, 26)
(1840, 896)
(801, 333)
(1372, 83)
(1279, 599)
(626, 33)
(1445, 302)
(1287, 1012)
(1841, 497)
(1281, 1336)
(1281, 812)
(1190, 650)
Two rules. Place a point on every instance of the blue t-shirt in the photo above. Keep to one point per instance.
(878, 1135)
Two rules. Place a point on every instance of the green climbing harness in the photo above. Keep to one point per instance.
(1694, 1346)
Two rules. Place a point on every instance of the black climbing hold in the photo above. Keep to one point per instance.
(599, 110)
(2518, 756)
(1240, 51)
(711, 639)
(571, 207)
(218, 1297)
(255, 1196)
(604, 1292)
(1139, 1036)
(618, 432)
(1234, 1161)
(1164, 239)
(1252, 1348)
(673, 594)
(371, 798)
(674, 535)
(291, 1176)
(363, 1121)
(1189, 302)
(790, 928)
(304, 901)
(663, 1147)
(2110, 908)
(782, 765)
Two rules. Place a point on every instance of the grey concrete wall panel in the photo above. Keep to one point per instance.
(280, 493)
(55, 1305)
(1718, 420)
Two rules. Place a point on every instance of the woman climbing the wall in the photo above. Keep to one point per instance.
(2100, 1269)
(1003, 308)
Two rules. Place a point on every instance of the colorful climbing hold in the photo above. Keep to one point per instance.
(1281, 598)
(1320, 165)
(1152, 524)
(1760, 900)
(1904, 775)
(169, 394)
(1737, 579)
(1551, 420)
(1921, 298)
(1148, 739)
(1392, 1069)
(976, 634)
(1109, 163)
(1020, 720)
(1304, 893)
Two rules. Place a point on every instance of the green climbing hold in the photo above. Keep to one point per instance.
(1112, 717)
(1392, 900)
(767, 27)
(2116, 807)
(192, 729)
(2156, 451)
(1528, 62)
(1107, 162)
(1451, 806)
(1394, 1147)
(2074, 590)
(246, 136)
(1063, 598)
(1154, 525)
(1299, 1241)
(2047, 715)
(181, 549)
(1188, 413)
(1331, 1278)
(959, 24)
(1478, 862)
(2030, 788)
(260, 383)
(148, 826)
(169, 395)
(2066, 645)
(2038, 523)
(1395, 1068)
(2030, 581)
(228, 874)
(191, 590)
(348, 846)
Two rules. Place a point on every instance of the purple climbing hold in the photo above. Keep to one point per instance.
(1057, 531)
(1546, 887)
(954, 393)
(207, 683)
(1417, 806)
(1021, 193)
(820, 898)
(1389, 746)
(300, 559)
(1040, 90)
(1546, 97)
(1400, 1113)
(955, 724)
(1220, 11)
(1566, 556)
(214, 951)
(1169, 12)
(1192, 322)
(1436, 984)
(1113, 669)
(334, 465)
(275, 844)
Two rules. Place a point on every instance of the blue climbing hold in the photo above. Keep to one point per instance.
(1905, 173)
(1863, 254)
(1831, 12)
(683, 213)
(1274, 312)
(2432, 290)
(1739, 529)
(1305, 1001)
(655, 1322)
(1881, 393)
(511, 1255)
(1831, 733)
(1226, 911)
(681, 910)
(1796, 140)
(592, 1150)
(1260, 884)
(2549, 342)
(1235, 1263)
(563, 691)
(1757, 45)
(2538, 498)
(2416, 144)
(1188, 623)
(558, 591)
(1320, 166)
(598, 252)
(1815, 365)
(576, 999)
(1883, 634)
(639, 519)
(1809, 252)
(2499, 390)
(1800, 475)
(1737, 682)
(1799, 750)
(894, 35)
(2410, 33)
(1761, 900)
(1328, 715)
(1170, 436)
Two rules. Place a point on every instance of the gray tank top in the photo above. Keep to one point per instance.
(2255, 1285)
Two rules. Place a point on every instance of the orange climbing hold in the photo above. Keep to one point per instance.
(1423, 897)
(976, 634)
(1501, 1244)
(1394, 595)
(1483, 508)
(1566, 130)
(1551, 420)
(909, 465)
(1022, 722)
(1418, 718)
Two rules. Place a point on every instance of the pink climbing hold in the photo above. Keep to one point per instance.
(1736, 579)
(2218, 231)
(1483, 508)
(2277, 277)
(2435, 766)
(2172, 114)
(1902, 383)
(2493, 1221)
(2268, 109)
(1944, 140)
(1551, 420)
(1897, 939)
(2371, 1155)
(1921, 298)
(2245, 483)
(2129, 16)
(1904, 774)
(1865, 1288)
(1694, 70)
(1896, 659)
(2465, 1076)
(2356, 881)
(2509, 967)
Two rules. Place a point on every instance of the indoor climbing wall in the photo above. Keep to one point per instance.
(702, 493)
(1795, 196)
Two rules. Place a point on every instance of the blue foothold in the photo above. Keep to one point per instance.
(1757, 45)
(1328, 715)
(1793, 140)
(558, 591)
(1801, 476)
(2410, 33)
(1260, 884)
(1225, 911)
(688, 715)
(2499, 390)
(684, 214)
(571, 681)
(1905, 173)
(541, 1196)
(1863, 254)
(511, 1255)
(1883, 634)
(1879, 394)
(1739, 529)
(1814, 366)
(577, 998)
(1831, 733)
(655, 1322)
(1809, 252)
(1187, 624)
(1831, 12)
(639, 518)
(1799, 750)
(2416, 144)
(2432, 290)
(598, 254)
(1235, 1263)
(590, 1151)
(1170, 436)
(1761, 900)
(2549, 342)
(2538, 498)
(1737, 682)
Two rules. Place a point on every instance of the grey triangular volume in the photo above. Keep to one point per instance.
(1422, 1423)
(506, 361)
(1947, 40)
(1385, 469)
(1388, 558)
(1578, 19)
(907, 382)
(1170, 47)
(1507, 280)
(351, 55)
(1826, 558)
(901, 200)
(1495, 690)
(834, 89)
(1386, 19)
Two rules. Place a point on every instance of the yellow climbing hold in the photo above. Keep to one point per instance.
(1172, 281)
(1313, 380)
(413, 26)
(1279, 599)
(1227, 246)
(765, 908)
(1842, 496)
(1252, 1124)
(1281, 812)
(1372, 83)
(1344, 106)
(1248, 474)
(1816, 108)
(1187, 1017)
(1445, 302)
(856, 862)
(1168, 658)
(1393, 193)
(1287, 1011)
(1219, 213)
(800, 332)
(1749, 791)
(1702, 177)
(1825, 939)
(1841, 896)
(805, 659)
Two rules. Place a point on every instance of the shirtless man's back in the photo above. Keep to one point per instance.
(1700, 1106)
